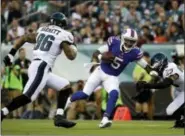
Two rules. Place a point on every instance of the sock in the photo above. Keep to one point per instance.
(16, 103)
(61, 100)
(105, 118)
(67, 103)
(78, 96)
(60, 112)
(113, 96)
(5, 111)
(180, 111)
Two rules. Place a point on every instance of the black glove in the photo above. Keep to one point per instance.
(8, 59)
(140, 85)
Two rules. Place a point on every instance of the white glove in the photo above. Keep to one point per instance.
(154, 73)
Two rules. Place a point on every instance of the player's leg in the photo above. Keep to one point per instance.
(93, 81)
(111, 85)
(37, 78)
(138, 109)
(145, 110)
(176, 108)
(63, 87)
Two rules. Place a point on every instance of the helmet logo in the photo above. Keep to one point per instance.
(132, 33)
(155, 65)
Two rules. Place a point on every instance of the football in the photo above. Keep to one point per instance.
(108, 56)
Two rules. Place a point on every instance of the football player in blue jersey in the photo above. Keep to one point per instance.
(113, 57)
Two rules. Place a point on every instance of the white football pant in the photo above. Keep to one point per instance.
(98, 77)
(176, 103)
(39, 73)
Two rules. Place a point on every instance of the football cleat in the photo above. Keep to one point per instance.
(105, 123)
(60, 121)
(179, 124)
(2, 116)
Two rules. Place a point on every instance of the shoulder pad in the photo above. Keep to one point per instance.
(112, 39)
(170, 70)
(68, 37)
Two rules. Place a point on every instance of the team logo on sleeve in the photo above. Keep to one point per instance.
(169, 72)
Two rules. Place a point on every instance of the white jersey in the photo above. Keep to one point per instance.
(48, 41)
(173, 69)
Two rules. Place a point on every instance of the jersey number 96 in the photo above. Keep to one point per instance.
(44, 42)
(116, 63)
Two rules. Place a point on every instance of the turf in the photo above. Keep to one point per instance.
(85, 128)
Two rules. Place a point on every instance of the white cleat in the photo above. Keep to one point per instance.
(105, 123)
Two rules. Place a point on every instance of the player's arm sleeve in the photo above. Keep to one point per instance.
(69, 47)
(163, 84)
(103, 49)
(138, 54)
(68, 38)
(142, 62)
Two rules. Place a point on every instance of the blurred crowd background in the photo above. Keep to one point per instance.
(91, 22)
(156, 21)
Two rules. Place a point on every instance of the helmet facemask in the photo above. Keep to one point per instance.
(128, 44)
(159, 65)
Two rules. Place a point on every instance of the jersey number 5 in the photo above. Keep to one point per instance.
(44, 42)
(116, 63)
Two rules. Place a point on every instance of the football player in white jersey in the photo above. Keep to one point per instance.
(50, 41)
(171, 75)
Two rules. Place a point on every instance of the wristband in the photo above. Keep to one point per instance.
(13, 52)
(99, 56)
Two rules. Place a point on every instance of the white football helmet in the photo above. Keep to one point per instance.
(129, 39)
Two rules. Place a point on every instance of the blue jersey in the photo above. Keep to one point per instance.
(122, 59)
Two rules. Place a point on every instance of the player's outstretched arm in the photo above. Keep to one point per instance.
(31, 38)
(147, 67)
(103, 54)
(70, 50)
(167, 82)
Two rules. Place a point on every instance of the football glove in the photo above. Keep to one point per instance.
(8, 60)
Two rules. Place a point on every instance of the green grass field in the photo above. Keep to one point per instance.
(43, 127)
